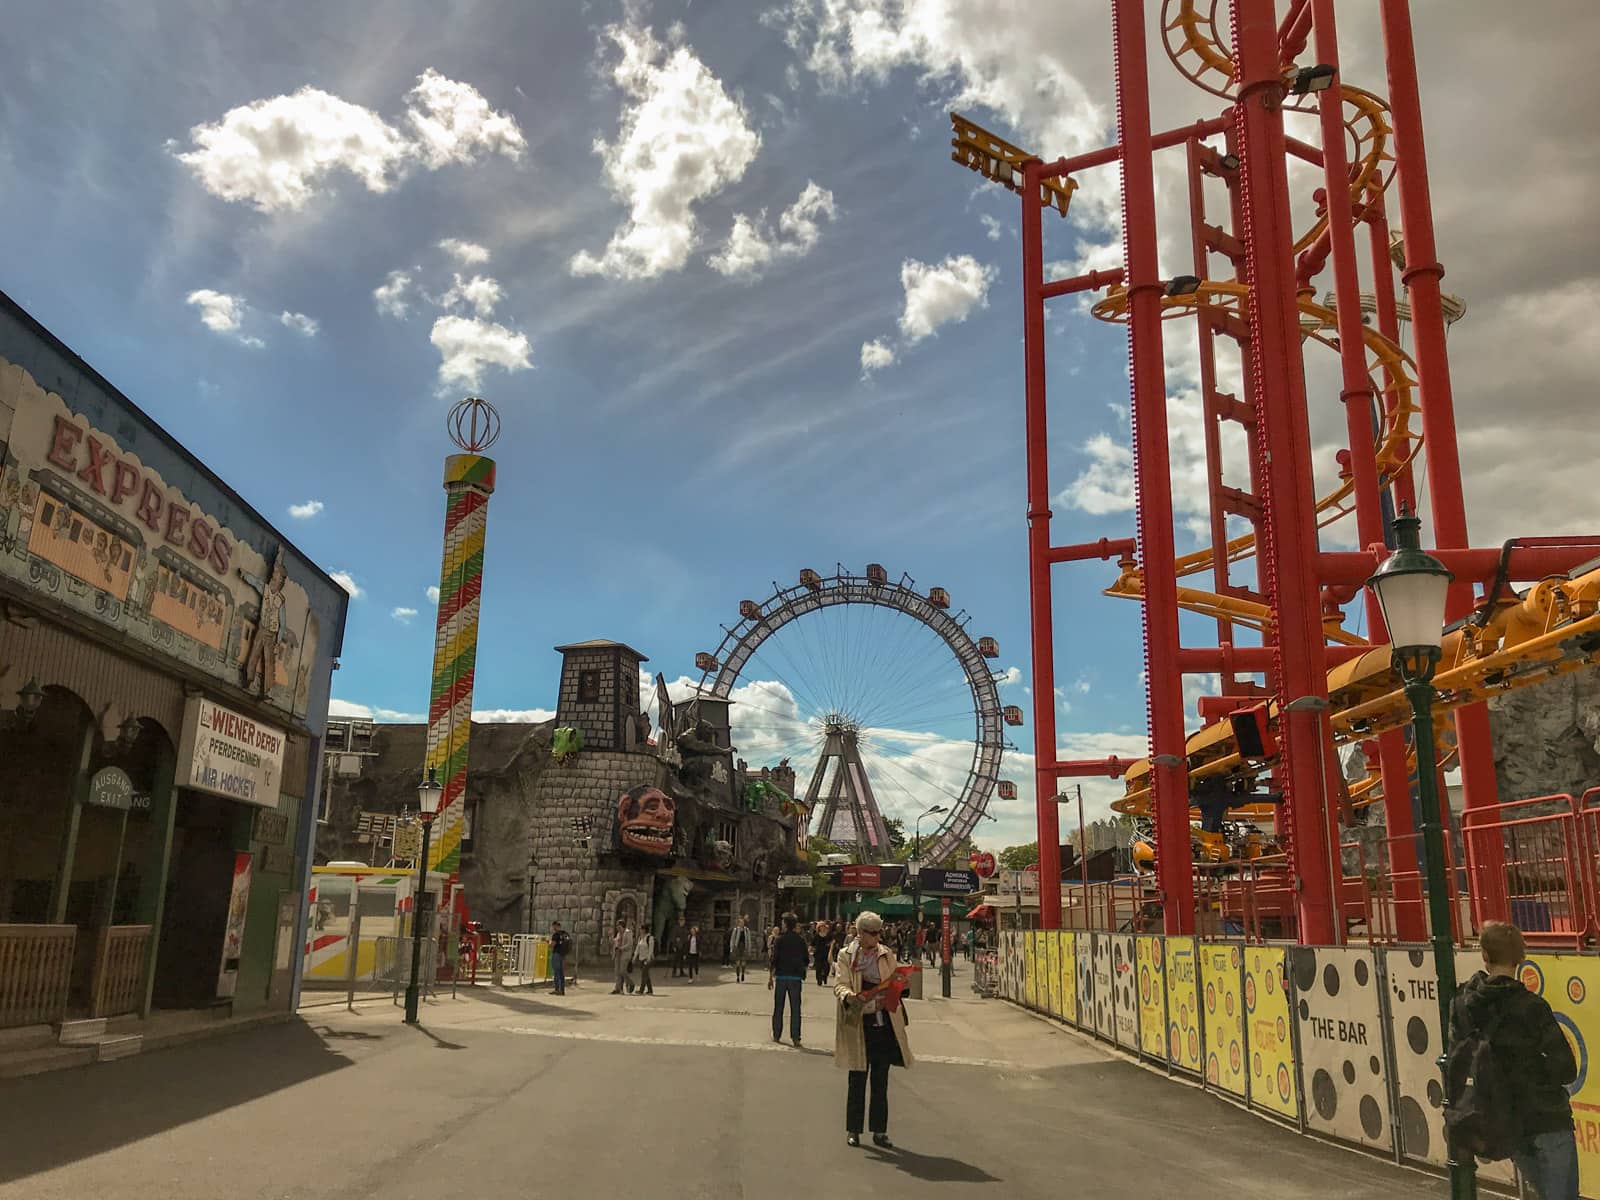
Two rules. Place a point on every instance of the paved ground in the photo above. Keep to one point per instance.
(682, 1094)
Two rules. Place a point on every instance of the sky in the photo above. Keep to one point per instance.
(740, 314)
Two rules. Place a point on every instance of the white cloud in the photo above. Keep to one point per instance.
(682, 139)
(348, 582)
(801, 222)
(432, 593)
(349, 710)
(748, 250)
(875, 355)
(279, 152)
(222, 313)
(300, 323)
(304, 512)
(403, 615)
(468, 254)
(512, 716)
(751, 246)
(1010, 677)
(993, 227)
(453, 123)
(937, 294)
(467, 345)
(480, 293)
(390, 295)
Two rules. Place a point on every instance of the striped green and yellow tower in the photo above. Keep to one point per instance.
(468, 484)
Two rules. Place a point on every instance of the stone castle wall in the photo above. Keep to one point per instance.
(578, 886)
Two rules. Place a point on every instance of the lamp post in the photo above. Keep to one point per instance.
(1410, 587)
(916, 875)
(429, 793)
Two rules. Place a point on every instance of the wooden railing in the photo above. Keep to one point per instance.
(35, 973)
(119, 970)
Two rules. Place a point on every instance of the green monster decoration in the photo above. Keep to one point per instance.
(565, 744)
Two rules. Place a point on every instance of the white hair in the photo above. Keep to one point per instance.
(869, 922)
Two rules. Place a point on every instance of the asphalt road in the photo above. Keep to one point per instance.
(518, 1094)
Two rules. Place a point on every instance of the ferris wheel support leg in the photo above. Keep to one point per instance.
(1039, 560)
(1421, 277)
(1288, 561)
(1152, 466)
(1357, 395)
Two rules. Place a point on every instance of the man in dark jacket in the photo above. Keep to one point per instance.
(1534, 1055)
(786, 978)
(560, 947)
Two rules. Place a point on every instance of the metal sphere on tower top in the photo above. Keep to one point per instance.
(474, 424)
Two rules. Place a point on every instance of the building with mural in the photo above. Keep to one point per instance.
(165, 659)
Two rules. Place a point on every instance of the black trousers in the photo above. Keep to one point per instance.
(694, 965)
(882, 1052)
(822, 973)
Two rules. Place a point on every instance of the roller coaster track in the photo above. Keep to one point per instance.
(1511, 643)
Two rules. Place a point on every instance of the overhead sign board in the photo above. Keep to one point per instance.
(956, 882)
(867, 876)
(794, 881)
(228, 754)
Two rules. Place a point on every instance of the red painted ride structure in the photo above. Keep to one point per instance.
(1296, 586)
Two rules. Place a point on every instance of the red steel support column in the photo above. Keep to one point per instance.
(1421, 277)
(1039, 592)
(1357, 394)
(1152, 469)
(1289, 562)
(1208, 400)
(1405, 494)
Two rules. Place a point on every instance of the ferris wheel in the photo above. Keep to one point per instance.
(878, 695)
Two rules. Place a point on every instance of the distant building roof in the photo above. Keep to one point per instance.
(601, 644)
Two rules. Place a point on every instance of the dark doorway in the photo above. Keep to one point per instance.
(195, 915)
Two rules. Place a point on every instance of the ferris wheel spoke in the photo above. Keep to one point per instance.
(802, 694)
(905, 769)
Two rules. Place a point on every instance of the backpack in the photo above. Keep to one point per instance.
(1480, 1114)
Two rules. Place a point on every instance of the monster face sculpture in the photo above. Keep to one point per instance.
(645, 817)
(722, 854)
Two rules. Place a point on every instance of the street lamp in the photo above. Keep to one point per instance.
(1411, 587)
(428, 795)
(916, 873)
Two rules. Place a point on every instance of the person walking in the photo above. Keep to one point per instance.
(868, 1038)
(560, 947)
(694, 952)
(786, 976)
(678, 947)
(1534, 1058)
(622, 958)
(644, 953)
(823, 951)
(740, 943)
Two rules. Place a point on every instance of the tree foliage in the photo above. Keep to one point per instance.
(1015, 858)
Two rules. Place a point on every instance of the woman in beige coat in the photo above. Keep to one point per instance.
(867, 1041)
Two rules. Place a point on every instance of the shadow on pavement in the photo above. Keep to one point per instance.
(436, 1039)
(932, 1167)
(64, 1116)
(541, 1008)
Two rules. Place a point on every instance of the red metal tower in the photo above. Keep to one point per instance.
(1261, 300)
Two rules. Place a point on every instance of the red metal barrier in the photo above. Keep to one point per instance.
(1544, 873)
(1588, 810)
(1255, 900)
(1387, 895)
